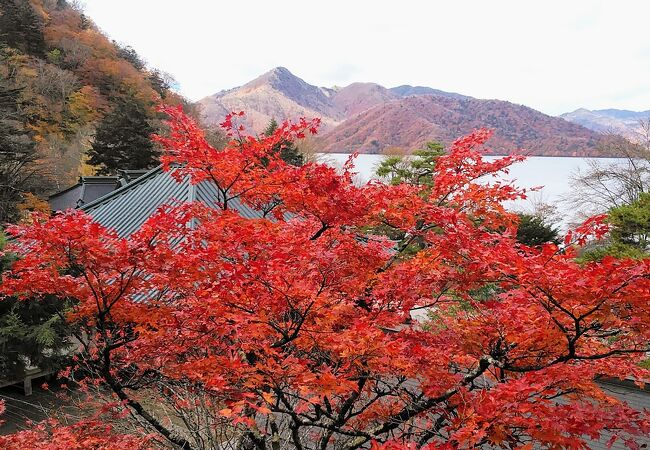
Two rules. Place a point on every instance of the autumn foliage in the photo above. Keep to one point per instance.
(294, 329)
(62, 81)
(90, 435)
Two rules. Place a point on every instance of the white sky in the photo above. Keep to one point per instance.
(554, 56)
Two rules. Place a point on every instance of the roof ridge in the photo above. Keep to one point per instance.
(56, 194)
(122, 189)
(127, 208)
(99, 177)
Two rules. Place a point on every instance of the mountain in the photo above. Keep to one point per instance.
(618, 121)
(407, 91)
(279, 94)
(410, 122)
(370, 118)
(276, 94)
(359, 97)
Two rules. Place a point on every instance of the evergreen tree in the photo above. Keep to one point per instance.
(20, 27)
(17, 155)
(32, 333)
(123, 139)
(631, 223)
(417, 168)
(288, 151)
(129, 54)
(533, 231)
(629, 236)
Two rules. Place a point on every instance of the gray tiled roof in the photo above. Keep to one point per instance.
(127, 208)
(89, 189)
(85, 191)
(635, 398)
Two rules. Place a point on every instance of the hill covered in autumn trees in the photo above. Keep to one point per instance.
(370, 118)
(409, 122)
(61, 76)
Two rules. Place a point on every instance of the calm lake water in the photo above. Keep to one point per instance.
(552, 173)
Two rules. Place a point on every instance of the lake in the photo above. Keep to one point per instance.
(552, 173)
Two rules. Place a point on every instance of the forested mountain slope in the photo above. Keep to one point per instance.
(634, 125)
(370, 118)
(60, 77)
(409, 122)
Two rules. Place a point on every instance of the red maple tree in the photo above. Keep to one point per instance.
(294, 330)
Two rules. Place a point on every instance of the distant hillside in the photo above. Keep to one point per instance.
(276, 94)
(279, 94)
(370, 118)
(409, 122)
(67, 75)
(408, 91)
(618, 121)
(359, 97)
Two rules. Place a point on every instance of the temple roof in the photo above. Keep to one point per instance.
(125, 209)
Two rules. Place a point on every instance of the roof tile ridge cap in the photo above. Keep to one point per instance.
(80, 201)
(120, 190)
(64, 190)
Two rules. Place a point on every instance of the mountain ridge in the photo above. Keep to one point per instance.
(429, 117)
(275, 94)
(611, 120)
(370, 118)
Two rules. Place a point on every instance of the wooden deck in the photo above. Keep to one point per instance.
(26, 381)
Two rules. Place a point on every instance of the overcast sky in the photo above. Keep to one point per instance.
(554, 56)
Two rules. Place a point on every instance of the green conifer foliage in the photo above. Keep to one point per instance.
(123, 139)
(32, 333)
(288, 151)
(533, 231)
(416, 168)
(20, 27)
(17, 155)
